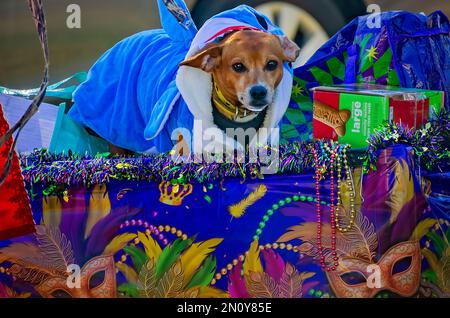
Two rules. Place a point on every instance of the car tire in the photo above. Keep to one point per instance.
(331, 14)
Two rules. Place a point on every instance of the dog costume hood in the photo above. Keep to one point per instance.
(136, 95)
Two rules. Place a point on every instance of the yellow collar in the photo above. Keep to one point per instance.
(225, 107)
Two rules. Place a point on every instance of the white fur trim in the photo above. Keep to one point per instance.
(195, 86)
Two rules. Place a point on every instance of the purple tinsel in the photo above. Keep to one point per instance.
(68, 169)
(431, 145)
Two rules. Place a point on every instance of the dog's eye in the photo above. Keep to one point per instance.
(239, 68)
(272, 65)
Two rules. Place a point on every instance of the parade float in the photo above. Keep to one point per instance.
(361, 210)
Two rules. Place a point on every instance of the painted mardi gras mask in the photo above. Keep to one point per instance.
(398, 270)
(97, 278)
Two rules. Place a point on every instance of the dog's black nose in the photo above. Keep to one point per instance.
(258, 92)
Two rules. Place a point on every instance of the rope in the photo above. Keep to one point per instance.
(37, 11)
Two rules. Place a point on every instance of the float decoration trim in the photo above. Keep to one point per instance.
(431, 143)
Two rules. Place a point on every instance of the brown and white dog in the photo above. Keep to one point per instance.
(231, 90)
(240, 78)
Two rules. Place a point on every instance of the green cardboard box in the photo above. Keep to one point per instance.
(351, 113)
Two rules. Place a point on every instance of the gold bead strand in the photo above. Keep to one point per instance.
(220, 274)
(169, 229)
(352, 194)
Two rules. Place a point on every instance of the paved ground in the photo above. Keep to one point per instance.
(104, 22)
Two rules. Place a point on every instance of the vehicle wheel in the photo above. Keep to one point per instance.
(309, 23)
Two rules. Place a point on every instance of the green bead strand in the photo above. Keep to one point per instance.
(276, 206)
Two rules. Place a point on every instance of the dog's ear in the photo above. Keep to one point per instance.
(290, 49)
(206, 59)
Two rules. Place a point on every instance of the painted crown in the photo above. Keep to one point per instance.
(173, 194)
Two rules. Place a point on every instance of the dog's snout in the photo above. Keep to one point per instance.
(258, 92)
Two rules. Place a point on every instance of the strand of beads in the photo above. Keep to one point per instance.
(224, 271)
(319, 212)
(275, 207)
(343, 157)
(149, 230)
(156, 230)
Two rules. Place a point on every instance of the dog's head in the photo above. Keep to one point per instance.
(247, 66)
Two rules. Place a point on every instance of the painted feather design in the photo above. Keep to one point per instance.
(99, 207)
(34, 262)
(20, 251)
(34, 274)
(364, 238)
(171, 254)
(422, 229)
(205, 273)
(360, 242)
(261, 285)
(273, 264)
(152, 248)
(441, 267)
(171, 283)
(190, 293)
(211, 292)
(118, 243)
(307, 233)
(439, 259)
(252, 261)
(7, 292)
(147, 279)
(29, 264)
(402, 189)
(277, 280)
(55, 246)
(236, 283)
(137, 255)
(291, 283)
(445, 273)
(51, 211)
(105, 230)
(166, 277)
(193, 258)
(238, 210)
(130, 274)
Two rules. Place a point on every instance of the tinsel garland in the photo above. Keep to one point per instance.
(431, 143)
(55, 172)
(68, 169)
